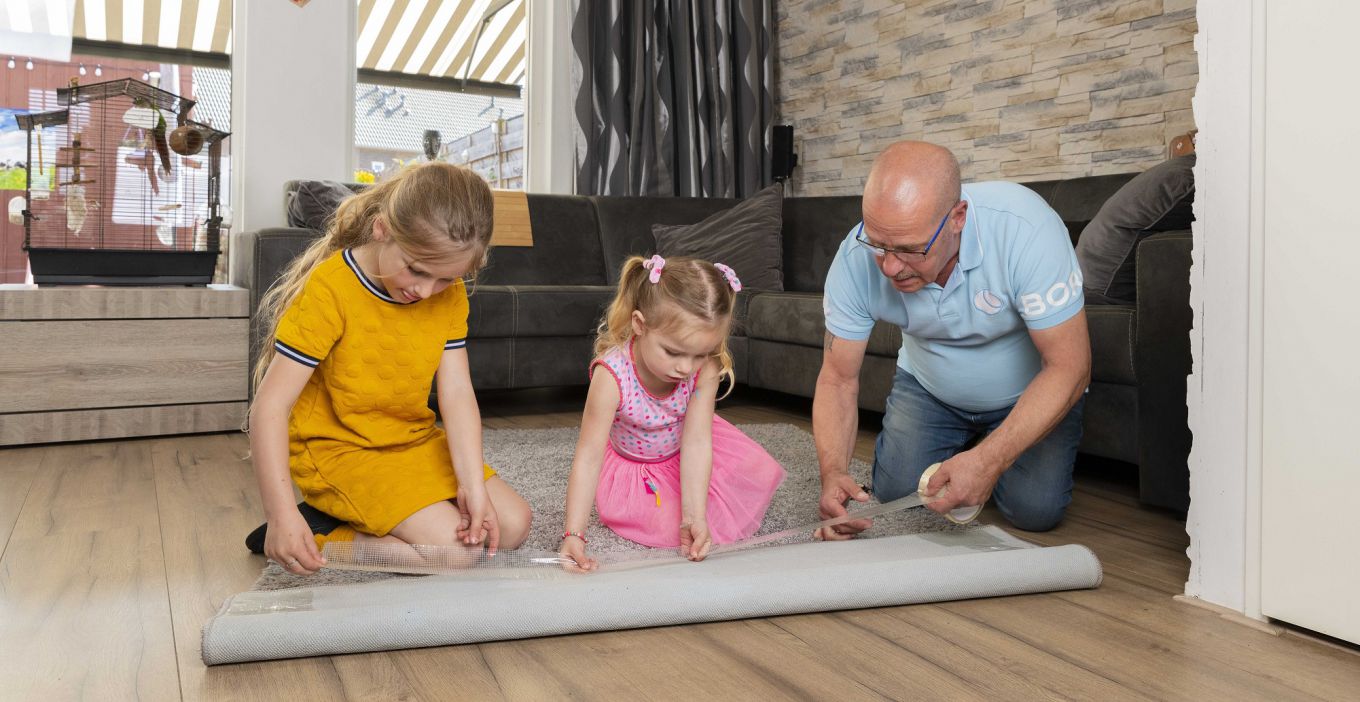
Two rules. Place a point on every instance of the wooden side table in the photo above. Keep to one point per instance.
(81, 363)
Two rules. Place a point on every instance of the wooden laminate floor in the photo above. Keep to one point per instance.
(115, 553)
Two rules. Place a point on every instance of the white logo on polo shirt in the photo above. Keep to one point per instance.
(988, 302)
(1036, 304)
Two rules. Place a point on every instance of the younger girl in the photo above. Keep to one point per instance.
(359, 325)
(662, 469)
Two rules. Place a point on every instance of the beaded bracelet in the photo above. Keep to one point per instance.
(577, 534)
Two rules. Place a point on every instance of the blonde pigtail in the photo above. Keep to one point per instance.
(692, 286)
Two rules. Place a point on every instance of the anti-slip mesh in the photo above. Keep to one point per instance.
(811, 577)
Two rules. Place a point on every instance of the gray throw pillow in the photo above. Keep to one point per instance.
(1158, 200)
(314, 202)
(746, 237)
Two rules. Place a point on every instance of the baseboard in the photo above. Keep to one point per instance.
(1231, 615)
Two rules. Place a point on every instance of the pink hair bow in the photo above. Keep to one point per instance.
(654, 264)
(731, 276)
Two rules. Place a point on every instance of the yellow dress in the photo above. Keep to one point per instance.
(362, 440)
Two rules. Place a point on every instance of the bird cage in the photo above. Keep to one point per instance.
(122, 188)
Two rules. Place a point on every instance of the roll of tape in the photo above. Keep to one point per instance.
(961, 515)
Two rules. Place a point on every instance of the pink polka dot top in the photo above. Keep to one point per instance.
(646, 427)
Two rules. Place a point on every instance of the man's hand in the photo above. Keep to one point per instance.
(837, 490)
(970, 479)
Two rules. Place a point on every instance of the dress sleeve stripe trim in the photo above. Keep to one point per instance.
(296, 355)
(455, 344)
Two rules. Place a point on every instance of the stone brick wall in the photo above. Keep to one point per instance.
(1019, 89)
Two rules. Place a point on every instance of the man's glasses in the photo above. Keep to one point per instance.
(903, 255)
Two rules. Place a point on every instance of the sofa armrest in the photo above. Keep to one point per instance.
(1162, 355)
(257, 260)
(259, 257)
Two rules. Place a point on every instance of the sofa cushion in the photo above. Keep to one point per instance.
(566, 248)
(526, 362)
(1159, 199)
(491, 311)
(1110, 422)
(626, 223)
(1113, 330)
(745, 237)
(814, 228)
(741, 312)
(797, 318)
(536, 310)
(313, 202)
(793, 369)
(560, 310)
(1079, 199)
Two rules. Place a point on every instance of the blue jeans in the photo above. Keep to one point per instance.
(919, 430)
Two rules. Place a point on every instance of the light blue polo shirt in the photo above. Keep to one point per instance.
(968, 342)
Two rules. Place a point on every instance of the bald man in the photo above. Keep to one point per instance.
(984, 283)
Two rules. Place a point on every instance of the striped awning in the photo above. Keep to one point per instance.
(480, 40)
(436, 38)
(195, 25)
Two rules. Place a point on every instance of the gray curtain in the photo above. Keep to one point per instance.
(673, 96)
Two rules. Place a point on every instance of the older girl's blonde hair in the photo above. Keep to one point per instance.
(434, 211)
(687, 290)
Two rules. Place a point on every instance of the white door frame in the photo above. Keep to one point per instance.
(1225, 388)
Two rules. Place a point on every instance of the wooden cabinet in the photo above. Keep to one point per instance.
(81, 363)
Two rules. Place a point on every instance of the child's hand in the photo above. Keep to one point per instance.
(575, 549)
(288, 541)
(694, 540)
(477, 519)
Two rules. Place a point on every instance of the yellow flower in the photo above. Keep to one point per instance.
(362, 176)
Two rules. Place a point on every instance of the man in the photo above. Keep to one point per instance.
(984, 283)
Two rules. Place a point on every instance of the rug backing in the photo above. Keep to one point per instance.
(413, 612)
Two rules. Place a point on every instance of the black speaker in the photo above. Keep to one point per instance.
(782, 158)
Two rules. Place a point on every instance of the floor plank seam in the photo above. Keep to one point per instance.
(774, 677)
(1052, 654)
(841, 616)
(980, 655)
(165, 570)
(1105, 526)
(776, 622)
(481, 653)
(9, 536)
(1228, 661)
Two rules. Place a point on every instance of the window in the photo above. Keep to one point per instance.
(444, 79)
(179, 46)
(28, 90)
(391, 125)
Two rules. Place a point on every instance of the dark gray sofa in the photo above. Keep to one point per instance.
(534, 311)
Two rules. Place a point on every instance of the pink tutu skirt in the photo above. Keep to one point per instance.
(742, 482)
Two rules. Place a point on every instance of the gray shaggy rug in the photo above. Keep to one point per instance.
(536, 463)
